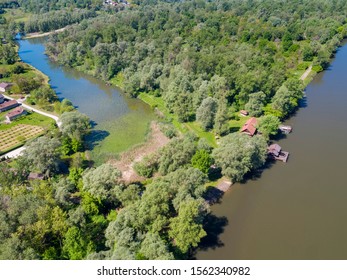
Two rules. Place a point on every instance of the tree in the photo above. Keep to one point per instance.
(268, 125)
(153, 247)
(74, 124)
(43, 155)
(206, 113)
(76, 246)
(255, 104)
(176, 154)
(221, 119)
(202, 161)
(186, 229)
(238, 154)
(101, 182)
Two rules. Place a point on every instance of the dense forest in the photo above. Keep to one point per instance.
(205, 60)
(237, 52)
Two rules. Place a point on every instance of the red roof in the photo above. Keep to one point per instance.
(250, 127)
(8, 104)
(15, 112)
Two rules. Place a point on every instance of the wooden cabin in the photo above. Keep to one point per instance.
(249, 127)
(275, 152)
(285, 129)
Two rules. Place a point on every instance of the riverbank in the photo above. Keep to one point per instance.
(39, 35)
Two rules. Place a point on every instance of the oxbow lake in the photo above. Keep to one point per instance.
(120, 122)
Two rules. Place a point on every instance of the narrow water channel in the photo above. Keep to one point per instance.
(121, 122)
(296, 210)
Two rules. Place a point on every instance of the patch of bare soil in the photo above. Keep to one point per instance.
(125, 164)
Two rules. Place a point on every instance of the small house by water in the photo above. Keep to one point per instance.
(285, 129)
(8, 105)
(275, 152)
(249, 127)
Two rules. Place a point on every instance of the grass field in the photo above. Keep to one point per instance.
(17, 15)
(17, 135)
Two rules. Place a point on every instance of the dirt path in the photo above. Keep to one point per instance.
(36, 110)
(156, 140)
(37, 34)
(306, 73)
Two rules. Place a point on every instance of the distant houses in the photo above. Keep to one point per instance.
(249, 127)
(16, 113)
(5, 106)
(4, 87)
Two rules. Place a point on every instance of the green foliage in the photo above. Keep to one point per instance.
(255, 104)
(74, 125)
(42, 155)
(238, 154)
(202, 161)
(76, 246)
(287, 97)
(101, 182)
(176, 154)
(268, 125)
(186, 229)
(154, 247)
(45, 22)
(146, 167)
(206, 113)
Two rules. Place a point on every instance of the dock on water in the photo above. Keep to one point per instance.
(275, 152)
(285, 129)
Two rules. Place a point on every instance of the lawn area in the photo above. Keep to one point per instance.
(17, 15)
(32, 118)
(235, 125)
(17, 135)
(157, 102)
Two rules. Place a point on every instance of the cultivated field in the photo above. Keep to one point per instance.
(17, 135)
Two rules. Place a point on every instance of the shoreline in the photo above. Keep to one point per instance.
(38, 34)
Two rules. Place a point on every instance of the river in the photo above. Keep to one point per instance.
(296, 210)
(120, 122)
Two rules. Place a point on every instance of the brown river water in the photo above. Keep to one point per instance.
(296, 210)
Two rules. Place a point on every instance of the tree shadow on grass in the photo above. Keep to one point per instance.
(213, 226)
(94, 138)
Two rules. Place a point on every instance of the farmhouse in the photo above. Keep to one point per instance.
(4, 87)
(8, 105)
(2, 99)
(15, 114)
(249, 127)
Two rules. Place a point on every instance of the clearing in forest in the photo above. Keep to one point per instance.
(156, 140)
